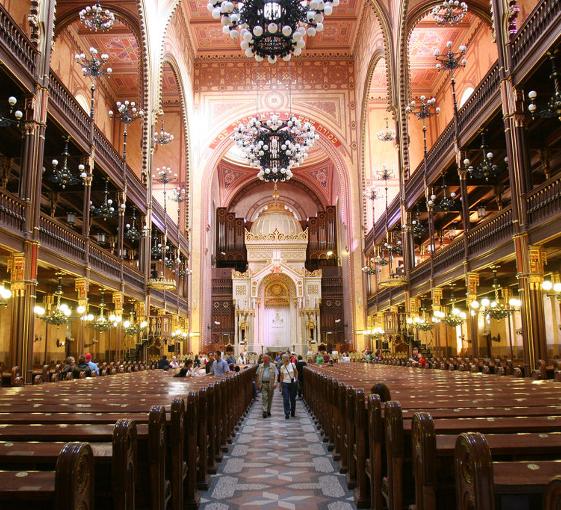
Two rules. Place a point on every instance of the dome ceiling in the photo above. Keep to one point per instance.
(276, 217)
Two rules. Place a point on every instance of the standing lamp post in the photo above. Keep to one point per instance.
(424, 110)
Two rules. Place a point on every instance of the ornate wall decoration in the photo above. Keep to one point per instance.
(276, 236)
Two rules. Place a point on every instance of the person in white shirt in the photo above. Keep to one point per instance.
(174, 363)
(345, 358)
(288, 375)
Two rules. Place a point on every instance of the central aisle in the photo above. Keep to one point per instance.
(278, 463)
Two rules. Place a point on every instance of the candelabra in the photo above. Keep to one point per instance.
(418, 230)
(487, 169)
(132, 233)
(553, 106)
(455, 317)
(162, 137)
(127, 112)
(498, 308)
(96, 18)
(387, 134)
(451, 61)
(95, 66)
(62, 175)
(106, 209)
(447, 202)
(370, 268)
(13, 117)
(449, 12)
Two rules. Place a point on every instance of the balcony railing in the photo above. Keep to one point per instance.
(545, 201)
(78, 121)
(133, 277)
(16, 46)
(378, 232)
(479, 101)
(449, 257)
(541, 26)
(109, 157)
(491, 233)
(12, 212)
(61, 239)
(420, 273)
(104, 262)
(136, 190)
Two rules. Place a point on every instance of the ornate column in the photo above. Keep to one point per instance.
(122, 200)
(436, 295)
(82, 287)
(23, 283)
(118, 300)
(472, 283)
(533, 320)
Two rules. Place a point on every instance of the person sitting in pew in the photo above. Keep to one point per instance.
(220, 366)
(186, 370)
(163, 364)
(93, 366)
(69, 364)
(82, 366)
(417, 357)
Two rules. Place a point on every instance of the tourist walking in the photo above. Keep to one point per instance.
(266, 383)
(288, 375)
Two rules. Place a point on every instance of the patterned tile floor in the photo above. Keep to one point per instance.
(278, 463)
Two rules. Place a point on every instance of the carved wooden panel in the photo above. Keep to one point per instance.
(222, 309)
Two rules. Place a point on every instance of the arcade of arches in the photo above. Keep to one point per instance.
(425, 215)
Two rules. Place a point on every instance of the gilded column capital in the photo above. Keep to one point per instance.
(537, 259)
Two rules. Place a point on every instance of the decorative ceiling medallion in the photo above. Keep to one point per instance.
(271, 29)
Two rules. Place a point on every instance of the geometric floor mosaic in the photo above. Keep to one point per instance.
(277, 463)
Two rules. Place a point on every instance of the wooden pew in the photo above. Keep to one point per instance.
(68, 487)
(482, 484)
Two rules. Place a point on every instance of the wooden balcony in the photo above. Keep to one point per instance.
(12, 220)
(378, 232)
(544, 208)
(163, 220)
(538, 34)
(61, 246)
(385, 298)
(484, 101)
(17, 53)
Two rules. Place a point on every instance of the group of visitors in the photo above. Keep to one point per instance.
(85, 364)
(215, 363)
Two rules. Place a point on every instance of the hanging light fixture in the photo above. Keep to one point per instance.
(448, 202)
(96, 18)
(96, 65)
(387, 134)
(13, 118)
(132, 233)
(101, 322)
(497, 308)
(106, 209)
(455, 317)
(271, 29)
(449, 12)
(274, 145)
(62, 176)
(162, 137)
(60, 313)
(487, 169)
(418, 230)
(370, 268)
(552, 108)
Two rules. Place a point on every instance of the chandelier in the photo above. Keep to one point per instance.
(370, 269)
(95, 66)
(62, 175)
(101, 322)
(387, 134)
(162, 137)
(61, 312)
(487, 169)
(132, 233)
(496, 309)
(419, 322)
(553, 107)
(418, 230)
(455, 317)
(7, 120)
(449, 12)
(274, 145)
(106, 209)
(271, 29)
(447, 202)
(96, 18)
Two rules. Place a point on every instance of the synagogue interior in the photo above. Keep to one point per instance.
(299, 254)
